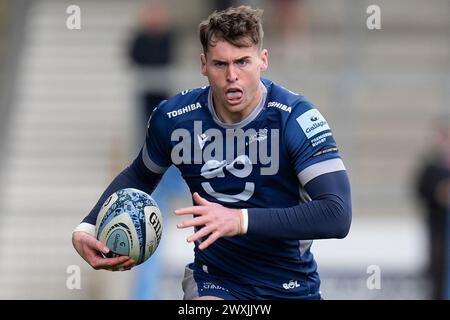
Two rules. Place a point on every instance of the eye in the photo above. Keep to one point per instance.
(242, 62)
(219, 64)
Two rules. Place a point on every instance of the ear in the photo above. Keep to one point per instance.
(264, 60)
(203, 64)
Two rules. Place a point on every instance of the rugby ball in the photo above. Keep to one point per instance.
(130, 224)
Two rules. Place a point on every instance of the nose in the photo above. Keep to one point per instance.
(231, 74)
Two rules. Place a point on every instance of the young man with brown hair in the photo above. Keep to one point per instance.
(263, 167)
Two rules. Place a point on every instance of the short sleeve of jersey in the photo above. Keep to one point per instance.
(156, 150)
(310, 143)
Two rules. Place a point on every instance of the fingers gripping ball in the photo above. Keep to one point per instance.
(130, 224)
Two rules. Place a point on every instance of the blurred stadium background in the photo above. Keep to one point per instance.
(67, 112)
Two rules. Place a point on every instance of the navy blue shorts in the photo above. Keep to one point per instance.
(202, 285)
(198, 282)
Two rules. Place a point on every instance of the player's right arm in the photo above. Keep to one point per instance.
(144, 173)
(137, 176)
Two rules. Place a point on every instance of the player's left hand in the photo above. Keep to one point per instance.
(218, 221)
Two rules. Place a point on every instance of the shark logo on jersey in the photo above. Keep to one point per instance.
(260, 136)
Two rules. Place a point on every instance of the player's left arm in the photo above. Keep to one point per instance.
(321, 172)
(327, 215)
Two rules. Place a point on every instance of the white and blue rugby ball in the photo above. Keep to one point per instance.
(130, 224)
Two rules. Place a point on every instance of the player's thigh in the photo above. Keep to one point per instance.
(203, 287)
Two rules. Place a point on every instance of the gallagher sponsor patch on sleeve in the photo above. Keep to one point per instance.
(312, 123)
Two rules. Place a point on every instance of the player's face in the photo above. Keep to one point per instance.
(234, 76)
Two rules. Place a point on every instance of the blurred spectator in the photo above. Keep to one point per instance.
(289, 29)
(151, 52)
(433, 187)
(222, 4)
(289, 17)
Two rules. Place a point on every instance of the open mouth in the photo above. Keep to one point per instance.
(234, 95)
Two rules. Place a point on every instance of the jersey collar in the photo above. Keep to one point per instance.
(252, 116)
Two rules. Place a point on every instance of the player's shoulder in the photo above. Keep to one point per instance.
(288, 103)
(183, 103)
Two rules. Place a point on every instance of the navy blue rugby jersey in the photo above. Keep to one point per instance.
(263, 162)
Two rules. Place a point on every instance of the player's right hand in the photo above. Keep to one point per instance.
(93, 252)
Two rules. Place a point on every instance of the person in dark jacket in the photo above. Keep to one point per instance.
(433, 188)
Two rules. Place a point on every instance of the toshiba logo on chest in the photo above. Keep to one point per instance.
(185, 109)
(312, 123)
